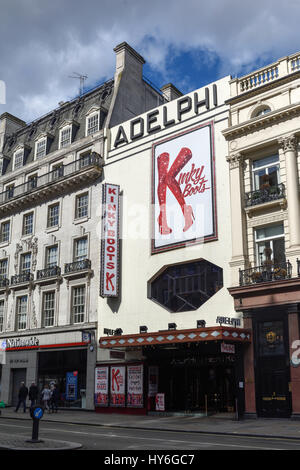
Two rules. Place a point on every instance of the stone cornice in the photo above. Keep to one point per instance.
(261, 122)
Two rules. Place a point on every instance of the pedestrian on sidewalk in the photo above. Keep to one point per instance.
(54, 398)
(23, 392)
(46, 396)
(33, 394)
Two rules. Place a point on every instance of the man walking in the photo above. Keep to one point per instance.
(23, 392)
(33, 394)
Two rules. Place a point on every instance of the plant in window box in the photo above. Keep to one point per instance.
(280, 273)
(256, 276)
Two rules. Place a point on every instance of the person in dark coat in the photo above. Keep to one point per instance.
(54, 398)
(23, 392)
(33, 394)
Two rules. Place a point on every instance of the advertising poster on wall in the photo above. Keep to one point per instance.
(101, 386)
(135, 386)
(117, 386)
(71, 385)
(183, 189)
(152, 381)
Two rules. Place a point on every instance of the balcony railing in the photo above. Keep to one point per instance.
(4, 282)
(77, 266)
(266, 273)
(51, 177)
(46, 273)
(21, 278)
(260, 196)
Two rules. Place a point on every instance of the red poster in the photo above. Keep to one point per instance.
(135, 386)
(117, 386)
(101, 386)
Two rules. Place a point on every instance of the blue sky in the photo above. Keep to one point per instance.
(189, 43)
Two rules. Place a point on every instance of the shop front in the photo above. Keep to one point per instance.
(186, 371)
(67, 361)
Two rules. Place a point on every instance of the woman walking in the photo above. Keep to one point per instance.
(46, 395)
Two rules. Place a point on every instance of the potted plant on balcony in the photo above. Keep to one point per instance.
(280, 273)
(256, 276)
(265, 186)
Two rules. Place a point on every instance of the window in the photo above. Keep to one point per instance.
(3, 268)
(78, 304)
(1, 315)
(269, 243)
(40, 148)
(27, 224)
(65, 137)
(53, 216)
(81, 249)
(25, 263)
(5, 232)
(18, 160)
(57, 171)
(51, 256)
(84, 159)
(184, 287)
(9, 191)
(48, 308)
(261, 111)
(82, 205)
(93, 124)
(265, 172)
(32, 181)
(21, 313)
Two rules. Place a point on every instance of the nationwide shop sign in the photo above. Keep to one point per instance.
(183, 189)
(109, 275)
(101, 386)
(135, 378)
(117, 386)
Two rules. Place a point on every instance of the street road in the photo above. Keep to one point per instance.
(127, 439)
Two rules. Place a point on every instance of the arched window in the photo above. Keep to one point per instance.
(261, 111)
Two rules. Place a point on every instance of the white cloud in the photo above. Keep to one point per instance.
(42, 43)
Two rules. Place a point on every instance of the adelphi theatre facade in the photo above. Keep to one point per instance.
(170, 338)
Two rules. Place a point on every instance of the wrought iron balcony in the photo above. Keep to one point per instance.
(266, 273)
(77, 266)
(263, 195)
(21, 278)
(4, 282)
(73, 173)
(53, 271)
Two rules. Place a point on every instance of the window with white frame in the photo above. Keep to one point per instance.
(9, 191)
(41, 148)
(53, 216)
(5, 231)
(269, 245)
(21, 312)
(48, 308)
(3, 268)
(27, 224)
(81, 249)
(265, 172)
(18, 159)
(1, 315)
(81, 206)
(25, 263)
(65, 136)
(57, 171)
(92, 123)
(78, 304)
(51, 256)
(32, 181)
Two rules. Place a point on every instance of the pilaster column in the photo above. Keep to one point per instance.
(250, 395)
(237, 193)
(289, 147)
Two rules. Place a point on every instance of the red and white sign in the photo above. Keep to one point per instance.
(183, 189)
(101, 386)
(117, 386)
(109, 275)
(160, 402)
(152, 381)
(135, 393)
(227, 348)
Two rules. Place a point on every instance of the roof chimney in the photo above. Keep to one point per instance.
(170, 92)
(128, 58)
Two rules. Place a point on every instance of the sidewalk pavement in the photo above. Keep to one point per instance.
(280, 428)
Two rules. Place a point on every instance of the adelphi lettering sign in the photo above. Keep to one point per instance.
(159, 118)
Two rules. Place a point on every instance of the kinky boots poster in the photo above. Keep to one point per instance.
(183, 189)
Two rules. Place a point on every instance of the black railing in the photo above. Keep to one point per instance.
(266, 273)
(260, 196)
(4, 281)
(52, 271)
(21, 278)
(77, 266)
(53, 176)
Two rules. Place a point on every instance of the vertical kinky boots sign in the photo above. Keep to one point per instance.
(183, 189)
(109, 272)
